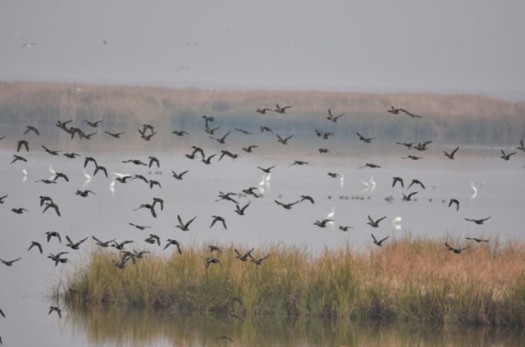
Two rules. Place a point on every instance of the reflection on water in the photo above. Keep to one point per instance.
(141, 328)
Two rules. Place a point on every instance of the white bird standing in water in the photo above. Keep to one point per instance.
(53, 172)
(474, 190)
(330, 217)
(396, 223)
(24, 172)
(372, 184)
(342, 181)
(88, 178)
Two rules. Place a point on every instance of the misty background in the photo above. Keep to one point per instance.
(376, 46)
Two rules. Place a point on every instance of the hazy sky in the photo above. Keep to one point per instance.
(388, 45)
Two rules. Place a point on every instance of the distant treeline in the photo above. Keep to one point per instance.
(446, 119)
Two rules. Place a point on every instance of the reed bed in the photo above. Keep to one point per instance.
(409, 280)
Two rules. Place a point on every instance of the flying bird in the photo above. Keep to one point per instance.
(455, 250)
(478, 221)
(451, 154)
(379, 242)
(374, 223)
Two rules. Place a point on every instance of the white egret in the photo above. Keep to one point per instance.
(474, 190)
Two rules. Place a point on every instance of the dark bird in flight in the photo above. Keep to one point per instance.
(282, 140)
(222, 139)
(120, 245)
(241, 210)
(174, 243)
(93, 124)
(50, 234)
(179, 132)
(323, 223)
(422, 146)
(115, 135)
(478, 240)
(154, 183)
(258, 261)
(454, 201)
(409, 196)
(478, 221)
(265, 129)
(216, 219)
(60, 175)
(135, 161)
(152, 239)
(101, 168)
(84, 193)
(57, 258)
(207, 160)
(413, 157)
(55, 309)
(285, 205)
(416, 181)
(280, 109)
(396, 180)
(150, 207)
(2, 198)
(10, 262)
(506, 156)
(395, 110)
(74, 245)
(184, 226)
(31, 128)
(71, 155)
(451, 154)
(103, 244)
(308, 198)
(19, 210)
(50, 151)
(345, 227)
(370, 165)
(242, 257)
(37, 245)
(212, 260)
(140, 227)
(332, 117)
(180, 175)
(249, 149)
(364, 139)
(227, 196)
(374, 223)
(17, 158)
(263, 110)
(266, 170)
(87, 160)
(22, 143)
(244, 131)
(53, 206)
(153, 160)
(229, 154)
(379, 242)
(251, 191)
(213, 248)
(299, 162)
(455, 250)
(521, 146)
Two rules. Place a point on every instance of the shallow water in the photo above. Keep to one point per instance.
(25, 286)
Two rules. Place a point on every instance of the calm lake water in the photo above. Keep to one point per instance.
(25, 287)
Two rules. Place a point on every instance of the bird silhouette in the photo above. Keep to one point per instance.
(30, 128)
(51, 151)
(332, 117)
(266, 170)
(115, 135)
(184, 226)
(364, 139)
(478, 240)
(241, 210)
(258, 261)
(18, 158)
(10, 262)
(174, 243)
(140, 227)
(242, 256)
(84, 193)
(150, 207)
(212, 260)
(280, 109)
(454, 201)
(451, 154)
(395, 110)
(222, 139)
(22, 143)
(50, 234)
(374, 223)
(263, 110)
(478, 221)
(153, 160)
(53, 206)
(455, 250)
(398, 180)
(370, 165)
(283, 140)
(286, 205)
(55, 309)
(2, 198)
(506, 156)
(103, 244)
(19, 210)
(179, 176)
(152, 239)
(379, 242)
(409, 196)
(74, 245)
(216, 219)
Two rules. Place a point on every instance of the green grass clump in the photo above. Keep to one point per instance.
(409, 280)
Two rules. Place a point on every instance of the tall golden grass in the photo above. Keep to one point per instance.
(409, 280)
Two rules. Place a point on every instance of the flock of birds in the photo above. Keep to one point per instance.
(88, 164)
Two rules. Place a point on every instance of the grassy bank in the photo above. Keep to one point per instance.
(410, 280)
